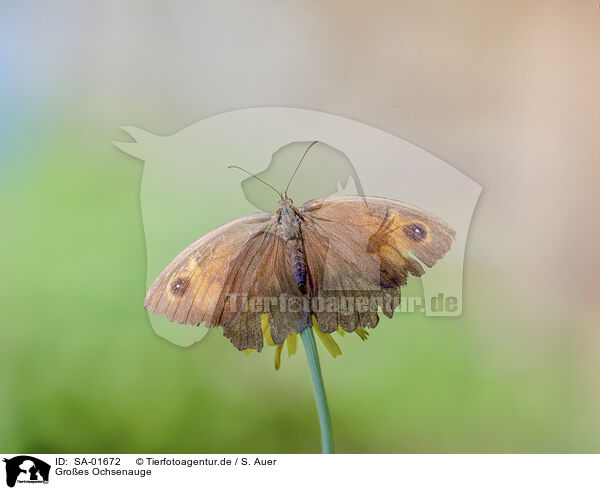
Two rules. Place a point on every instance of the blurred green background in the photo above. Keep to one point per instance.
(81, 370)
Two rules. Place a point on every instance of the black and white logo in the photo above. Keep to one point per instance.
(26, 469)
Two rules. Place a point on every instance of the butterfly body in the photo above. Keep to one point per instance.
(290, 227)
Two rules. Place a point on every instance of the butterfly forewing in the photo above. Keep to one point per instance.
(405, 228)
(228, 278)
(189, 288)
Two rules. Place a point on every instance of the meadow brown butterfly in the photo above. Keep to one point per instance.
(339, 258)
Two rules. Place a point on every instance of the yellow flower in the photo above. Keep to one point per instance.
(292, 340)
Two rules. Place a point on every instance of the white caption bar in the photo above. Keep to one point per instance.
(288, 471)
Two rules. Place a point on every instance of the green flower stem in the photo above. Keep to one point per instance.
(308, 340)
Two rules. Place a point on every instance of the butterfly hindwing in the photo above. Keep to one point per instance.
(261, 281)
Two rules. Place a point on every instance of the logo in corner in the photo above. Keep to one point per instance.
(26, 469)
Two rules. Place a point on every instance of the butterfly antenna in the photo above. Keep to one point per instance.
(257, 178)
(298, 166)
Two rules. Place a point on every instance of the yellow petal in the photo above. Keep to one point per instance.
(266, 328)
(278, 350)
(330, 344)
(341, 332)
(248, 351)
(292, 343)
(362, 333)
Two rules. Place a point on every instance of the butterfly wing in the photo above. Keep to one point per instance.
(359, 249)
(260, 280)
(187, 290)
(218, 279)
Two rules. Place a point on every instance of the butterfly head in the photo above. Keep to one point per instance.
(285, 201)
(286, 208)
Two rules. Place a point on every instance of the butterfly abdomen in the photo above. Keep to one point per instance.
(298, 263)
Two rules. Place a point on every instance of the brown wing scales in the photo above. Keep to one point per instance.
(359, 249)
(261, 281)
(224, 279)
